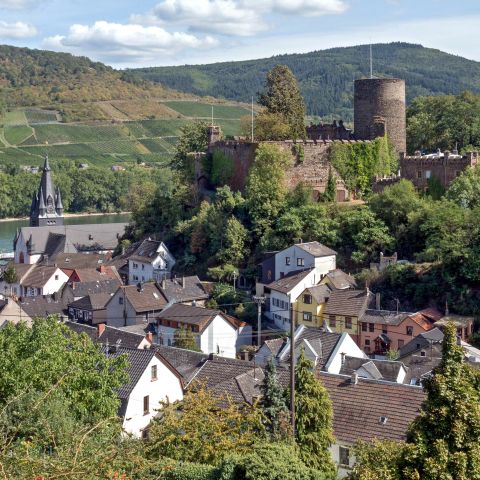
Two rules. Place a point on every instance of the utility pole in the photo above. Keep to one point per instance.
(252, 119)
(371, 62)
(292, 370)
(259, 300)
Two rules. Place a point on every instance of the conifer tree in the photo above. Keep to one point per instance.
(282, 97)
(446, 434)
(273, 399)
(184, 338)
(313, 419)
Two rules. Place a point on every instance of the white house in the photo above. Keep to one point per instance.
(152, 380)
(325, 349)
(35, 280)
(151, 260)
(132, 305)
(214, 331)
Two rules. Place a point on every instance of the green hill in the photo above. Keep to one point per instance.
(326, 76)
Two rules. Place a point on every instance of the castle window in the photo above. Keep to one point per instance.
(419, 174)
(428, 174)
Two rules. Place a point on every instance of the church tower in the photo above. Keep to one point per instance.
(47, 207)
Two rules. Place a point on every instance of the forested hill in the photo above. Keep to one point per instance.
(326, 76)
(40, 77)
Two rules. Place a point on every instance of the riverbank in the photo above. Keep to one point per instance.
(69, 215)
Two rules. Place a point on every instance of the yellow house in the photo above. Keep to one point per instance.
(310, 305)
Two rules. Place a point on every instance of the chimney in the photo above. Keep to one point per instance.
(377, 301)
(183, 281)
(245, 355)
(100, 329)
(149, 337)
(354, 378)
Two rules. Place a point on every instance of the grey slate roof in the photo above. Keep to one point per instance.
(186, 362)
(387, 369)
(82, 328)
(384, 317)
(80, 289)
(43, 306)
(119, 337)
(91, 302)
(72, 261)
(148, 298)
(424, 340)
(290, 281)
(320, 293)
(95, 237)
(341, 280)
(316, 249)
(175, 292)
(146, 251)
(347, 302)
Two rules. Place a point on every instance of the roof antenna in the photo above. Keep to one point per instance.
(371, 62)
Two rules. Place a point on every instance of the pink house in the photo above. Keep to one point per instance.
(383, 330)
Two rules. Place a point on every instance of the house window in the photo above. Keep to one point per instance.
(146, 405)
(423, 353)
(419, 174)
(400, 343)
(332, 320)
(367, 341)
(384, 330)
(307, 299)
(143, 266)
(145, 433)
(348, 322)
(300, 262)
(344, 456)
(364, 327)
(120, 300)
(135, 265)
(153, 371)
(409, 330)
(287, 260)
(371, 327)
(307, 316)
(56, 277)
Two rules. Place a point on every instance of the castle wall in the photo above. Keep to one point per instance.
(443, 167)
(379, 108)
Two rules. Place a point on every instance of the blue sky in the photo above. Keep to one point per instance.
(124, 33)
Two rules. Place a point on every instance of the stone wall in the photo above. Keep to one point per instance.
(312, 170)
(444, 167)
(329, 131)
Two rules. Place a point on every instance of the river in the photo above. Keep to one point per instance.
(8, 229)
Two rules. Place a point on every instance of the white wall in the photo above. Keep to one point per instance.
(346, 346)
(220, 338)
(22, 247)
(293, 253)
(52, 285)
(167, 386)
(115, 311)
(343, 470)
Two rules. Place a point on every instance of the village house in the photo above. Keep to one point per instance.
(338, 280)
(102, 272)
(12, 311)
(90, 309)
(325, 349)
(34, 280)
(150, 260)
(464, 324)
(152, 380)
(186, 290)
(374, 369)
(77, 290)
(214, 331)
(135, 304)
(43, 306)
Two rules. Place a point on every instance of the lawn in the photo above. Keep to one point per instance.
(18, 134)
(204, 110)
(15, 117)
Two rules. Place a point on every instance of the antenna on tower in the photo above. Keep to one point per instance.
(252, 120)
(371, 62)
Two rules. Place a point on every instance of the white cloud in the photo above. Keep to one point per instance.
(233, 17)
(16, 30)
(18, 4)
(125, 43)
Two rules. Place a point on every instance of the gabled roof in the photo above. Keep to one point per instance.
(73, 261)
(42, 306)
(38, 276)
(94, 274)
(80, 289)
(320, 293)
(275, 345)
(119, 337)
(147, 251)
(424, 340)
(147, 298)
(290, 281)
(316, 249)
(80, 328)
(201, 317)
(358, 409)
(184, 289)
(388, 370)
(91, 302)
(347, 302)
(341, 280)
(186, 362)
(384, 317)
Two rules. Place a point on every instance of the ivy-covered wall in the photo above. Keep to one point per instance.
(357, 163)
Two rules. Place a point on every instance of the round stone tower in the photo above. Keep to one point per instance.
(379, 107)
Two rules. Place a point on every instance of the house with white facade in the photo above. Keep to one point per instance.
(151, 260)
(214, 331)
(325, 349)
(35, 280)
(152, 380)
(134, 304)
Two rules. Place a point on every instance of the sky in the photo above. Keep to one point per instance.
(141, 33)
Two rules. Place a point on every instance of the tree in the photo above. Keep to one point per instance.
(330, 193)
(233, 250)
(273, 401)
(10, 275)
(266, 186)
(204, 428)
(282, 96)
(446, 432)
(183, 337)
(193, 138)
(271, 126)
(465, 189)
(49, 355)
(313, 419)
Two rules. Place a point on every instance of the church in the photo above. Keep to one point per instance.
(47, 236)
